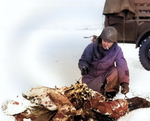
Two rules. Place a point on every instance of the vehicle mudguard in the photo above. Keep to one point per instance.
(142, 36)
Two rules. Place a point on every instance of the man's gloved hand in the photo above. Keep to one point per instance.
(124, 88)
(84, 71)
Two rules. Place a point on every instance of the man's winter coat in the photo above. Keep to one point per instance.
(99, 61)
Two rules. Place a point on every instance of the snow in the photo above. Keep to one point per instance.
(41, 42)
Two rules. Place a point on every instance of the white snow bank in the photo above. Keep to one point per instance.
(52, 60)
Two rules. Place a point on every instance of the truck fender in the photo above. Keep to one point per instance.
(142, 36)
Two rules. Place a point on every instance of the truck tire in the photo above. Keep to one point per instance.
(144, 54)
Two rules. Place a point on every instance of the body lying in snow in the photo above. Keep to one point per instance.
(72, 104)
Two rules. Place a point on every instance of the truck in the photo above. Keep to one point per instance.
(131, 18)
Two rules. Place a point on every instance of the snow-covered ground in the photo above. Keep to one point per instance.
(41, 42)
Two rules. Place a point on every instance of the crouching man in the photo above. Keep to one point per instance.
(103, 65)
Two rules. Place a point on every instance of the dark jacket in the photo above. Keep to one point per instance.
(99, 61)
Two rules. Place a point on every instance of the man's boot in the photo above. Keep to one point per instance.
(137, 102)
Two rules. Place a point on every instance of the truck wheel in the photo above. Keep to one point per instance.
(144, 54)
